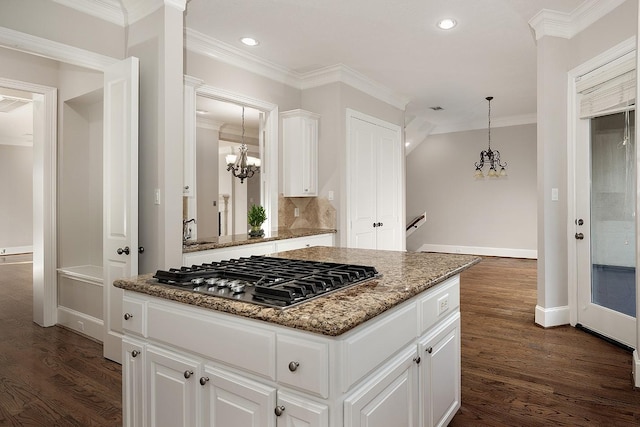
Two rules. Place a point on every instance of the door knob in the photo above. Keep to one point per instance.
(125, 251)
(141, 249)
(579, 221)
(579, 236)
(279, 410)
(375, 225)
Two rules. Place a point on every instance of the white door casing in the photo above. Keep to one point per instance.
(120, 202)
(375, 183)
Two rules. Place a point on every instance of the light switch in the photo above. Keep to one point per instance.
(330, 196)
(554, 194)
(156, 199)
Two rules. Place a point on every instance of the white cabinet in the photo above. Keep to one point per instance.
(295, 411)
(189, 366)
(300, 153)
(388, 398)
(133, 365)
(233, 400)
(440, 373)
(260, 248)
(171, 389)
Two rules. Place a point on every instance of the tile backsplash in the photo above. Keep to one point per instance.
(314, 212)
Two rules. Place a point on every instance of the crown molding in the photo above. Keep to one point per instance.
(524, 119)
(50, 49)
(208, 46)
(566, 25)
(112, 10)
(107, 10)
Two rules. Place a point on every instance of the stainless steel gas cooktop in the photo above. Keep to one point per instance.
(272, 282)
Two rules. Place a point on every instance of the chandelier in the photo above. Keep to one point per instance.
(490, 156)
(242, 166)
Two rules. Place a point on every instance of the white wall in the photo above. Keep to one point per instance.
(469, 215)
(331, 102)
(556, 57)
(16, 193)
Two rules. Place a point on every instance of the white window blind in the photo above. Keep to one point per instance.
(609, 88)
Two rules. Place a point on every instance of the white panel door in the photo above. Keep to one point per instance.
(388, 201)
(296, 411)
(376, 185)
(120, 198)
(362, 175)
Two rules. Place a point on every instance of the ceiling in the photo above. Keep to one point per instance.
(491, 52)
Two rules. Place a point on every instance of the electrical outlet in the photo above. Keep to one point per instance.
(443, 304)
(296, 212)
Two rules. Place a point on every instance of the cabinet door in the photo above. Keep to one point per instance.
(233, 400)
(389, 398)
(132, 383)
(295, 411)
(172, 389)
(440, 373)
(300, 153)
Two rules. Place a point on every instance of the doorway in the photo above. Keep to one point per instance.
(605, 226)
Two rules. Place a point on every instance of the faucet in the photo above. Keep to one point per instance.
(186, 230)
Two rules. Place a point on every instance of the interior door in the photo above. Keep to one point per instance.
(605, 226)
(375, 185)
(363, 184)
(120, 194)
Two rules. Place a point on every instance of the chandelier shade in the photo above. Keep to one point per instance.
(490, 157)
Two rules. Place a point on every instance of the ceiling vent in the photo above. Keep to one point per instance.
(10, 103)
(436, 108)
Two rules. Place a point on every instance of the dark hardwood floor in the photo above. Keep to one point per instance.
(514, 373)
(49, 376)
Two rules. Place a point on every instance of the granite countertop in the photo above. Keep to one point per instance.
(218, 242)
(404, 275)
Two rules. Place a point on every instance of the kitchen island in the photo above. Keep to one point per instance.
(384, 352)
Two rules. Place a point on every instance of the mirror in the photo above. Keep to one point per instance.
(222, 200)
(218, 201)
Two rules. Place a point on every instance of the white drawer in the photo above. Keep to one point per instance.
(133, 316)
(439, 302)
(214, 337)
(303, 364)
(367, 348)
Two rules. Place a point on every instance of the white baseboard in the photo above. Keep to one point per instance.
(636, 368)
(81, 323)
(479, 250)
(16, 250)
(550, 317)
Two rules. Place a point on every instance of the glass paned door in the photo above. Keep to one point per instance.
(605, 227)
(613, 260)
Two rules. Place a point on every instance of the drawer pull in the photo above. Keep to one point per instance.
(293, 366)
(187, 374)
(134, 353)
(417, 360)
(128, 316)
(204, 380)
(279, 410)
(430, 350)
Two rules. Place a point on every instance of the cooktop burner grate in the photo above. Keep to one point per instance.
(274, 282)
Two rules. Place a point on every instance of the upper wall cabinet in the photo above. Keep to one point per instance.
(300, 153)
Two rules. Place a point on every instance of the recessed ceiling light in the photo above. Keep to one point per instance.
(249, 41)
(447, 23)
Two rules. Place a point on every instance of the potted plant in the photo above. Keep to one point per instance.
(256, 216)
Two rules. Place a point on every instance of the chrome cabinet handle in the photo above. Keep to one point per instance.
(204, 380)
(128, 316)
(293, 366)
(279, 410)
(125, 251)
(134, 353)
(187, 374)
